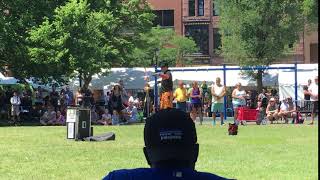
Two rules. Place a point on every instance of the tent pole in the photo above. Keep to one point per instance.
(225, 97)
(155, 89)
(296, 82)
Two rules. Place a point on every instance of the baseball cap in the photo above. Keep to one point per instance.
(164, 64)
(170, 134)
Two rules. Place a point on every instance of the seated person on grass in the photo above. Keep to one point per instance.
(287, 109)
(60, 119)
(272, 110)
(131, 113)
(49, 117)
(94, 116)
(106, 118)
(171, 149)
(115, 117)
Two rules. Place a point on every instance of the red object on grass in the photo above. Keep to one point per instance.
(246, 114)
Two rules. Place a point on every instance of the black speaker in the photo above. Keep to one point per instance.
(78, 123)
(83, 124)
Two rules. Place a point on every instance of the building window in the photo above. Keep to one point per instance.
(216, 39)
(164, 18)
(192, 7)
(215, 9)
(200, 34)
(200, 7)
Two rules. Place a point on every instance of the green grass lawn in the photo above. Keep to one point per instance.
(258, 152)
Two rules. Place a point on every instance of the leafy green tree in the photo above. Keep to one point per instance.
(172, 48)
(89, 36)
(259, 32)
(16, 19)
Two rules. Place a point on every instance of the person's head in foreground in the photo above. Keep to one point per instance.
(171, 149)
(164, 66)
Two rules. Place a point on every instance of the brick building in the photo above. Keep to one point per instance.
(199, 19)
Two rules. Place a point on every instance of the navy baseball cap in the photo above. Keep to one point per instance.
(170, 134)
(164, 64)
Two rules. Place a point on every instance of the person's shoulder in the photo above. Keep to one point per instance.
(124, 174)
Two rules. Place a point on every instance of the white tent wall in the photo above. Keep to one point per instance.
(7, 80)
(134, 78)
(286, 80)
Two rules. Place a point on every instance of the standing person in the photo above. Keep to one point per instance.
(116, 101)
(70, 96)
(171, 150)
(204, 93)
(166, 95)
(218, 92)
(238, 100)
(124, 94)
(180, 94)
(79, 98)
(39, 96)
(306, 98)
(313, 89)
(195, 96)
(148, 100)
(15, 107)
(54, 98)
(262, 104)
(3, 107)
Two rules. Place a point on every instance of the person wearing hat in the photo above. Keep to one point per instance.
(171, 149)
(166, 95)
(287, 109)
(272, 110)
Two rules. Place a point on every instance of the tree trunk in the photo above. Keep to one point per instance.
(259, 80)
(87, 79)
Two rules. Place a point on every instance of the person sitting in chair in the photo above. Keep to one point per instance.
(171, 149)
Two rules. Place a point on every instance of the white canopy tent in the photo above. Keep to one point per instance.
(233, 77)
(133, 78)
(7, 80)
(287, 82)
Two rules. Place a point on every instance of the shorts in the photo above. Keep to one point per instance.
(217, 107)
(196, 105)
(166, 100)
(15, 110)
(314, 106)
(237, 106)
(182, 106)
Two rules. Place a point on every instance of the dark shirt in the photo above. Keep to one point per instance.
(2, 102)
(160, 174)
(306, 96)
(167, 84)
(116, 102)
(54, 97)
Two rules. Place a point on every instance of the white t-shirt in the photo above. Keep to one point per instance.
(285, 106)
(313, 88)
(218, 91)
(106, 117)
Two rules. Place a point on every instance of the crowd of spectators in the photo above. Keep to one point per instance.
(117, 106)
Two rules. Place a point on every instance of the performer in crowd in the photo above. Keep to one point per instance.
(166, 95)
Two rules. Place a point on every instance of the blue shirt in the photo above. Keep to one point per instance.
(159, 174)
